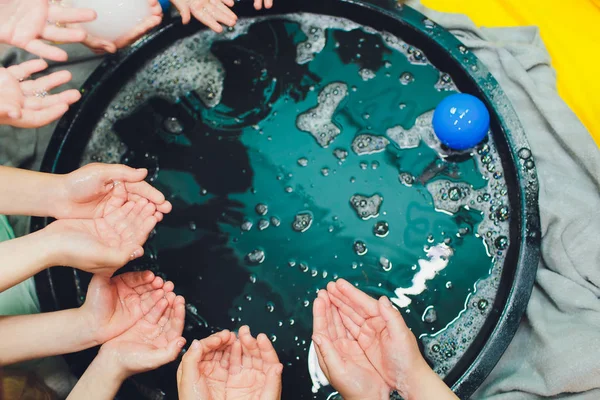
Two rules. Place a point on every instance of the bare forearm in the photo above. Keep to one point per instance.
(23, 257)
(429, 386)
(101, 381)
(26, 337)
(27, 192)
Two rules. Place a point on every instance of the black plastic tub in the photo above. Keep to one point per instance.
(58, 288)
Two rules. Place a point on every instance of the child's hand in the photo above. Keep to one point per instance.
(151, 342)
(221, 367)
(26, 103)
(101, 46)
(211, 13)
(341, 358)
(95, 190)
(388, 343)
(258, 4)
(24, 22)
(104, 244)
(113, 305)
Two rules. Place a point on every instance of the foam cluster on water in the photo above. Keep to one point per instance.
(318, 121)
(369, 144)
(422, 130)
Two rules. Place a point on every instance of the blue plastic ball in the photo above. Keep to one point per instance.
(461, 121)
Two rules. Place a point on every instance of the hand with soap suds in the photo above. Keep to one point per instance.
(341, 358)
(225, 367)
(387, 342)
(26, 103)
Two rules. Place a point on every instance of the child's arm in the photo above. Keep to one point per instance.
(112, 306)
(152, 342)
(89, 192)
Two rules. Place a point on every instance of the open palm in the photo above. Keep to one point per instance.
(113, 305)
(341, 358)
(102, 245)
(97, 190)
(153, 340)
(221, 367)
(23, 23)
(204, 370)
(380, 331)
(26, 103)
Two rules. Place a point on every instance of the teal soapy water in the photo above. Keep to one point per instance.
(299, 223)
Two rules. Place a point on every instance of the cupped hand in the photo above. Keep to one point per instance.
(23, 23)
(211, 13)
(26, 103)
(102, 245)
(221, 367)
(113, 305)
(96, 190)
(341, 358)
(152, 341)
(380, 331)
(101, 46)
(204, 368)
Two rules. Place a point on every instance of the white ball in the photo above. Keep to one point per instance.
(115, 17)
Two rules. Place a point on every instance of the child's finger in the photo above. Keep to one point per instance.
(149, 299)
(393, 320)
(203, 15)
(144, 189)
(267, 351)
(268, 3)
(27, 68)
(136, 279)
(319, 317)
(228, 3)
(184, 10)
(157, 312)
(58, 13)
(189, 363)
(235, 359)
(46, 83)
(39, 118)
(44, 50)
(359, 300)
(258, 4)
(227, 16)
(67, 97)
(330, 356)
(66, 35)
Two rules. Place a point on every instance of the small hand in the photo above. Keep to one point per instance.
(204, 368)
(221, 367)
(24, 22)
(102, 245)
(381, 333)
(101, 46)
(113, 305)
(258, 4)
(26, 103)
(341, 358)
(152, 341)
(96, 190)
(210, 12)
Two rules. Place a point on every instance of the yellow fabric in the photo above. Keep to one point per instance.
(571, 31)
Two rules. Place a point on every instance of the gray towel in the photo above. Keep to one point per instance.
(555, 351)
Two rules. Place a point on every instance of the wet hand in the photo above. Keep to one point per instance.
(113, 305)
(380, 331)
(24, 22)
(211, 13)
(26, 103)
(221, 367)
(97, 190)
(104, 244)
(153, 341)
(101, 46)
(341, 358)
